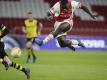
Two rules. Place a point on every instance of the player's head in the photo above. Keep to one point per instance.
(64, 3)
(30, 16)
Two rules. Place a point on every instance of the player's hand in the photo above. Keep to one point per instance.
(39, 33)
(25, 31)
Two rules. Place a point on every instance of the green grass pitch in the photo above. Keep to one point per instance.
(61, 65)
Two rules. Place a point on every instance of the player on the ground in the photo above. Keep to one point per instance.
(62, 13)
(32, 28)
(4, 59)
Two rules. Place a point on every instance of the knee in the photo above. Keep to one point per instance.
(29, 44)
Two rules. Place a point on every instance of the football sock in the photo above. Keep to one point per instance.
(48, 38)
(29, 52)
(33, 53)
(28, 56)
(17, 66)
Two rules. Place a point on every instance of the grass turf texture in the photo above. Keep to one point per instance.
(61, 65)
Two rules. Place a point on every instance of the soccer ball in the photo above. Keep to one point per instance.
(15, 52)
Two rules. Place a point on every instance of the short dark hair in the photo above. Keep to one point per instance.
(29, 12)
(63, 3)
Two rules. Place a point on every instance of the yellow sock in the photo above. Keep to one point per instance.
(17, 66)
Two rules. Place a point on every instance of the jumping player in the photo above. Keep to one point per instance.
(62, 13)
(4, 59)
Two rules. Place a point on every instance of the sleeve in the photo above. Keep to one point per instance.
(76, 4)
(51, 11)
(54, 9)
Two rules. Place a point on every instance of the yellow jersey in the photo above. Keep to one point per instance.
(31, 27)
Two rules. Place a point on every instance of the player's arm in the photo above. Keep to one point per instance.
(4, 30)
(51, 13)
(87, 10)
(40, 26)
(24, 29)
(79, 5)
(49, 16)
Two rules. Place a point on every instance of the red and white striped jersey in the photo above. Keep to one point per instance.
(60, 14)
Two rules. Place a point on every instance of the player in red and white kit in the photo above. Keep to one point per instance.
(62, 13)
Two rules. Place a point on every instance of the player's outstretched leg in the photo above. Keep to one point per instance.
(16, 66)
(64, 27)
(19, 67)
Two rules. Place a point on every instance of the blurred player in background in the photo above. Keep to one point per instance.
(4, 57)
(62, 13)
(32, 28)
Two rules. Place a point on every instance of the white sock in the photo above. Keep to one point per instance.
(48, 38)
(74, 42)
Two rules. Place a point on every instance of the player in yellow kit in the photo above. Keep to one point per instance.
(32, 29)
(4, 58)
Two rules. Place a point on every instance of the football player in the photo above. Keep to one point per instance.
(4, 59)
